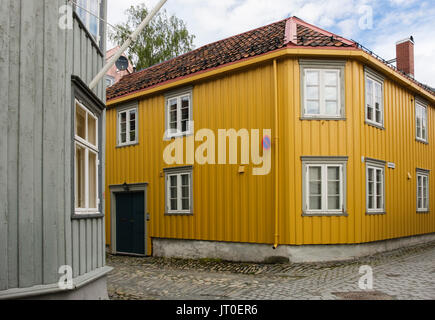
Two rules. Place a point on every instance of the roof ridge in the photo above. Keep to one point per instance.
(323, 31)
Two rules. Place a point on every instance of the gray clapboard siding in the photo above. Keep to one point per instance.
(37, 232)
(4, 97)
(12, 134)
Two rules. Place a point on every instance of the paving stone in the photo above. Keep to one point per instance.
(406, 273)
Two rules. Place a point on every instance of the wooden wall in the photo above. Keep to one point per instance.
(37, 234)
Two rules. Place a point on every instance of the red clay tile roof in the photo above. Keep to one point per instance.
(249, 44)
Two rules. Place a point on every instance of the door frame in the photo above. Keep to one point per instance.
(127, 188)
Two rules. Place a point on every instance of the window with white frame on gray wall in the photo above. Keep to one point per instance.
(178, 113)
(324, 185)
(374, 98)
(421, 121)
(322, 89)
(127, 125)
(375, 186)
(89, 13)
(422, 190)
(86, 160)
(179, 190)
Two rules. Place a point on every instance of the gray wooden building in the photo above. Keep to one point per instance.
(51, 149)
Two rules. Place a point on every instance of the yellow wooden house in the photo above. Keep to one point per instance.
(295, 143)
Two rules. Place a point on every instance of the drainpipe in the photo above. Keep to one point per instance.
(275, 80)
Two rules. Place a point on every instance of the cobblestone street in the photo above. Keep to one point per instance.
(401, 274)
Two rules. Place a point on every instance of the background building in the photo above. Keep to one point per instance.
(52, 149)
(114, 74)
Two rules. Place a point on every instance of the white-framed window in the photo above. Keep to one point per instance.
(322, 89)
(324, 185)
(421, 121)
(422, 191)
(89, 13)
(178, 114)
(374, 98)
(375, 186)
(86, 161)
(127, 126)
(179, 191)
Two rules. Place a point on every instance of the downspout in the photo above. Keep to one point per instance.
(276, 138)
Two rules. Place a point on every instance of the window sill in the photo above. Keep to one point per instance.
(169, 138)
(376, 125)
(322, 118)
(325, 214)
(376, 213)
(178, 213)
(421, 141)
(80, 216)
(423, 211)
(127, 145)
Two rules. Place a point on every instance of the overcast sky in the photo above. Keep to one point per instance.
(392, 20)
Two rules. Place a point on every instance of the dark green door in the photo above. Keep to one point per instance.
(130, 223)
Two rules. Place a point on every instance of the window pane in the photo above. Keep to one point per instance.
(371, 202)
(312, 77)
(173, 192)
(92, 180)
(173, 181)
(173, 205)
(185, 192)
(80, 122)
(378, 114)
(378, 93)
(379, 202)
(315, 173)
(315, 187)
(330, 78)
(185, 102)
(93, 21)
(92, 130)
(185, 180)
(333, 173)
(331, 108)
(331, 93)
(370, 111)
(312, 93)
(80, 178)
(334, 188)
(333, 202)
(185, 204)
(132, 136)
(315, 203)
(313, 107)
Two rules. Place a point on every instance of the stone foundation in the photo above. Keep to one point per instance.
(264, 253)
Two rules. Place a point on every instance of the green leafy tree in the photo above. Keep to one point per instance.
(162, 39)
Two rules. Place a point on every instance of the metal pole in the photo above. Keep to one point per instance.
(132, 38)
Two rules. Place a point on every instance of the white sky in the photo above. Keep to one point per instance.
(393, 20)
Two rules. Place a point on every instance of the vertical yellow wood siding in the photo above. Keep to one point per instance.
(229, 206)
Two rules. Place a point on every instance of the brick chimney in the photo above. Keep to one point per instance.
(405, 56)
